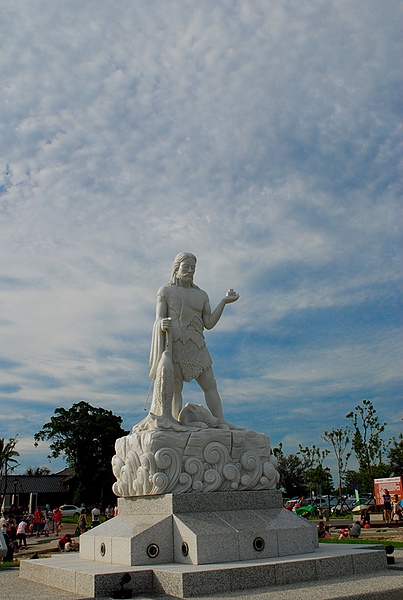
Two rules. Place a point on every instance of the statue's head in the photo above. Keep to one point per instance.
(179, 259)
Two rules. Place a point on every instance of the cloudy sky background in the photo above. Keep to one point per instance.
(261, 135)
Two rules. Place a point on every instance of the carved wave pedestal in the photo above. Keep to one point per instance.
(207, 460)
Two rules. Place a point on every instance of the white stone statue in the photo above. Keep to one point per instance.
(194, 449)
(178, 348)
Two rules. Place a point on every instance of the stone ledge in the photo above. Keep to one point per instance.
(201, 502)
(184, 581)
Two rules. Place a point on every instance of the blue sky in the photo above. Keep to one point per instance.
(263, 136)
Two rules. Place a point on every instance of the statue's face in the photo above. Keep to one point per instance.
(186, 269)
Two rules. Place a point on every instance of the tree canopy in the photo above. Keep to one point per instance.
(37, 471)
(8, 462)
(291, 471)
(85, 436)
(339, 439)
(395, 455)
(303, 472)
(367, 443)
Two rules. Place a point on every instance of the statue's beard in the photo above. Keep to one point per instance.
(188, 277)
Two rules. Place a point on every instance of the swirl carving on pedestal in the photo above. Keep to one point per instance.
(150, 463)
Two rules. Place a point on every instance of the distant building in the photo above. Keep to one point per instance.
(30, 491)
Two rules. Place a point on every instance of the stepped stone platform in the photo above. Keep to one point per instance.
(87, 579)
(189, 545)
(198, 529)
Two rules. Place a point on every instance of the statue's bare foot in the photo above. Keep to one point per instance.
(169, 422)
(153, 422)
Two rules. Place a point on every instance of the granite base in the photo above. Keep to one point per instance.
(91, 579)
(199, 544)
(199, 529)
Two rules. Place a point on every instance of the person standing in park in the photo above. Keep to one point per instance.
(387, 505)
(22, 530)
(396, 508)
(82, 521)
(365, 518)
(3, 523)
(184, 311)
(95, 516)
(57, 519)
(39, 520)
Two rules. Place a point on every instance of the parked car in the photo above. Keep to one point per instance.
(322, 502)
(368, 503)
(289, 505)
(69, 510)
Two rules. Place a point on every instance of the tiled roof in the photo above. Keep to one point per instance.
(27, 484)
(67, 474)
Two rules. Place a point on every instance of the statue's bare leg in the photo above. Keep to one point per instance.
(177, 399)
(208, 384)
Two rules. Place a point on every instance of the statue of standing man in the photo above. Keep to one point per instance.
(183, 311)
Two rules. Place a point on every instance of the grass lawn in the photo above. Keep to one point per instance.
(74, 520)
(9, 565)
(335, 540)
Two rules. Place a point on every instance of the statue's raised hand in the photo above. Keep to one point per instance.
(231, 296)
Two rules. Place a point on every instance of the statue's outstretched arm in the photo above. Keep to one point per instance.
(210, 319)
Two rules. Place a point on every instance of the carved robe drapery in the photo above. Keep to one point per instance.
(189, 348)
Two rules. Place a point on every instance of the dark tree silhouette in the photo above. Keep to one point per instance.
(37, 471)
(85, 437)
(8, 462)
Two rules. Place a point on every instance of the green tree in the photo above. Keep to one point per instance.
(85, 437)
(395, 456)
(8, 462)
(37, 471)
(339, 439)
(312, 461)
(321, 481)
(367, 443)
(359, 480)
(291, 471)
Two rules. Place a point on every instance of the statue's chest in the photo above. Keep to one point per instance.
(193, 299)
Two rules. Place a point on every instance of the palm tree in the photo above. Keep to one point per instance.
(7, 462)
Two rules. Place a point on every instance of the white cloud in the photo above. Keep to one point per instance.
(261, 136)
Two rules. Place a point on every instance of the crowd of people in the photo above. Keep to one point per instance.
(17, 525)
(392, 513)
(392, 507)
(350, 531)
